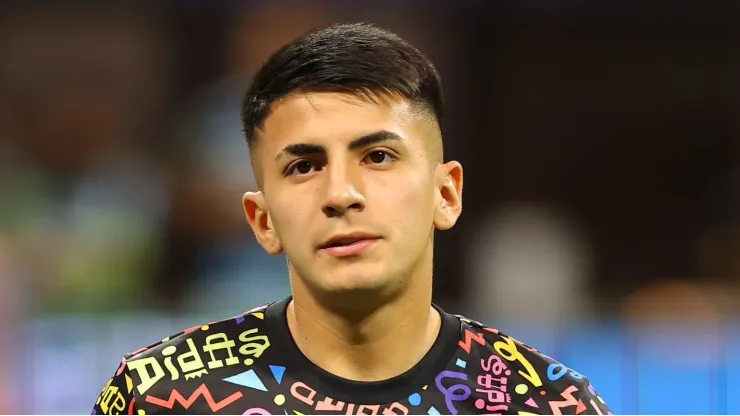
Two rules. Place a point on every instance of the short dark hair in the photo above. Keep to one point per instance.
(358, 58)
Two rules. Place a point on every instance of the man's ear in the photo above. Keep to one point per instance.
(258, 217)
(448, 198)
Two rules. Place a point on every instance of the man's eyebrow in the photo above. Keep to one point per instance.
(373, 138)
(300, 149)
(305, 149)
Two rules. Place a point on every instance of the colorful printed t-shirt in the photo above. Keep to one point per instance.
(250, 365)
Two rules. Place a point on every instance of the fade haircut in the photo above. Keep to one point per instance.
(360, 59)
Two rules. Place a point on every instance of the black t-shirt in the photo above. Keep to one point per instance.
(250, 365)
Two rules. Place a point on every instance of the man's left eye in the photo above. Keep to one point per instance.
(379, 157)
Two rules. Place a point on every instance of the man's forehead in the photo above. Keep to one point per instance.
(336, 119)
(333, 117)
(330, 104)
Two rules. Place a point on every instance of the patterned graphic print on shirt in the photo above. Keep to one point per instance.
(250, 365)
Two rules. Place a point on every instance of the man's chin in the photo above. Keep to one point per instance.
(356, 286)
(357, 291)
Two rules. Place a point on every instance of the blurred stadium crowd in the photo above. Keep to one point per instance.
(600, 142)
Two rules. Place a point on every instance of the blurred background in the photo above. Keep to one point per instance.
(601, 148)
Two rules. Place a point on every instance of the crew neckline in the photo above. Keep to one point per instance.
(363, 392)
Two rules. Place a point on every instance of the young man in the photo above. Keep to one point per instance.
(343, 130)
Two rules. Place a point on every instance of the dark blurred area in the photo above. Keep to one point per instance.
(602, 183)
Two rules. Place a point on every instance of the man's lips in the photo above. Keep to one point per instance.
(345, 245)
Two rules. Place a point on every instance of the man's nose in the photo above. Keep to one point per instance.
(343, 192)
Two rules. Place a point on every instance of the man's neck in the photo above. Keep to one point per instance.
(379, 345)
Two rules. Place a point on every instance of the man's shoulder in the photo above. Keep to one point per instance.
(251, 321)
(534, 379)
(186, 363)
(501, 342)
(216, 349)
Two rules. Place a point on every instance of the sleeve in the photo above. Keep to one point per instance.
(572, 396)
(595, 405)
(570, 392)
(118, 396)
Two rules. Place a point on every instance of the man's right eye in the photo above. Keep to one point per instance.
(300, 167)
